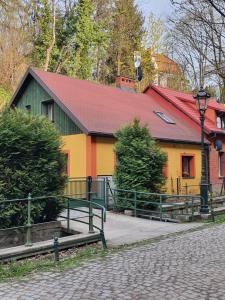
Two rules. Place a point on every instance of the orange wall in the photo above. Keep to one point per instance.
(105, 157)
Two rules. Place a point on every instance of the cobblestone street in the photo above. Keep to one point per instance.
(189, 266)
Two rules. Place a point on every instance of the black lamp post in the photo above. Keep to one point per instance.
(202, 103)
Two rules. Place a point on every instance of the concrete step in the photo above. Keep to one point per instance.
(156, 218)
(219, 210)
(47, 246)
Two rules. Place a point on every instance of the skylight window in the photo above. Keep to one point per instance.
(164, 117)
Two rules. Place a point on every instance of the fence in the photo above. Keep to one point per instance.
(70, 204)
(154, 204)
(78, 187)
(215, 189)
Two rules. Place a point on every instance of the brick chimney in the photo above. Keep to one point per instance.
(125, 84)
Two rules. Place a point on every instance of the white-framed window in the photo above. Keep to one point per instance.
(220, 121)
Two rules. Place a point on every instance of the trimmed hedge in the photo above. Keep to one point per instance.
(30, 162)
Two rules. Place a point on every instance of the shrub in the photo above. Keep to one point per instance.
(30, 162)
(140, 162)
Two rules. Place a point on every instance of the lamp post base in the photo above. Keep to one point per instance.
(204, 209)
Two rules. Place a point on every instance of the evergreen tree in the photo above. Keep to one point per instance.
(30, 162)
(41, 15)
(103, 22)
(140, 162)
(126, 37)
(84, 38)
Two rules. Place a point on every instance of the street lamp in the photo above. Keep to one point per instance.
(201, 104)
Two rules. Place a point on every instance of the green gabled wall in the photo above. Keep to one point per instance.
(34, 95)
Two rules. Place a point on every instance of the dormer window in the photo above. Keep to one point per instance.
(48, 110)
(220, 121)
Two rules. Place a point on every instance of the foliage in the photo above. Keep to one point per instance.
(5, 95)
(30, 162)
(140, 162)
(84, 39)
(126, 37)
(42, 31)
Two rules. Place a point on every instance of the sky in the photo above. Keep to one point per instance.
(162, 8)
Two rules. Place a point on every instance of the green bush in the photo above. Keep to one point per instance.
(140, 162)
(30, 162)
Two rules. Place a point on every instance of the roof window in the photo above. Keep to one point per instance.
(165, 118)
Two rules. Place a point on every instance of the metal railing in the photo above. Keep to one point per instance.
(78, 205)
(216, 189)
(154, 204)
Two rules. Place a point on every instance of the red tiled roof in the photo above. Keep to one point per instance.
(183, 102)
(103, 109)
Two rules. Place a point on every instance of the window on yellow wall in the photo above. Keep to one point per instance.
(66, 169)
(188, 166)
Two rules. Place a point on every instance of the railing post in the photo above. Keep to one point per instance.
(160, 203)
(28, 241)
(186, 206)
(186, 188)
(192, 209)
(135, 203)
(56, 248)
(68, 214)
(103, 239)
(107, 193)
(89, 185)
(212, 210)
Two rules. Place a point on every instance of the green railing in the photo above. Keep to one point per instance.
(70, 204)
(154, 204)
(79, 205)
(80, 188)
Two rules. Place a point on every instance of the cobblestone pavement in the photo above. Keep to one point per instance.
(189, 266)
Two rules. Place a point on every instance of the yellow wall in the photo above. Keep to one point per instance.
(78, 149)
(75, 146)
(105, 158)
(174, 151)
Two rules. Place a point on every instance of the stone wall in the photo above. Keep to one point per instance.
(39, 232)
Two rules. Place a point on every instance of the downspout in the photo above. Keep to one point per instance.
(208, 163)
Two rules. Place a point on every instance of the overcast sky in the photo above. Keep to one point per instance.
(162, 8)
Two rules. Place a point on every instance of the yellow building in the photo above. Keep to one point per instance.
(87, 115)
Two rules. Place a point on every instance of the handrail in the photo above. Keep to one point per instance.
(154, 194)
(132, 200)
(29, 224)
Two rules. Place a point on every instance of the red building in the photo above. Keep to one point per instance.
(214, 127)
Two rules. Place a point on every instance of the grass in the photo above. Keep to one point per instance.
(21, 268)
(220, 219)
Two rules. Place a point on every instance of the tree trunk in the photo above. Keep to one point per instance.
(49, 50)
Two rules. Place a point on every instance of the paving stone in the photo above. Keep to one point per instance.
(186, 267)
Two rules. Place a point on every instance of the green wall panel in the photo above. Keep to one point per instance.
(34, 95)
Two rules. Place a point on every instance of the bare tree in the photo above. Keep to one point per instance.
(202, 30)
(15, 44)
(219, 6)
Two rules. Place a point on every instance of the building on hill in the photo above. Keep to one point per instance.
(168, 73)
(87, 115)
(214, 127)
